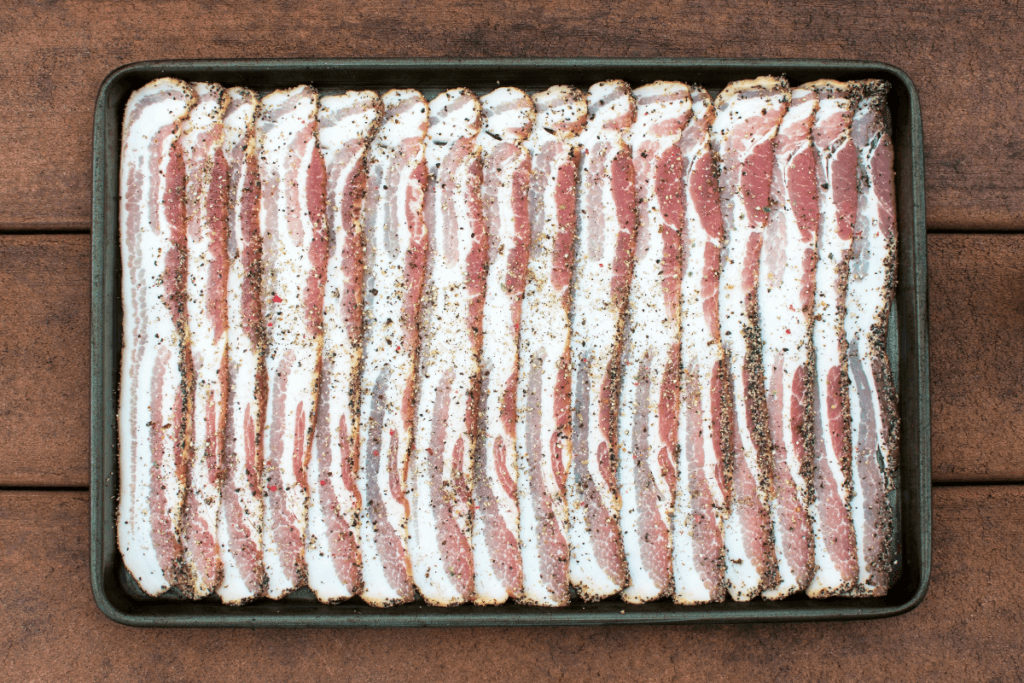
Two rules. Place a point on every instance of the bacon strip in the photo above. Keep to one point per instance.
(649, 404)
(395, 241)
(872, 286)
(294, 233)
(509, 115)
(241, 512)
(785, 298)
(543, 437)
(835, 548)
(202, 140)
(347, 124)
(702, 497)
(749, 113)
(604, 264)
(155, 362)
(440, 523)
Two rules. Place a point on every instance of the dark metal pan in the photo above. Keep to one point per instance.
(120, 599)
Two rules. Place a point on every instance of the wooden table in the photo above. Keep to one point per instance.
(967, 63)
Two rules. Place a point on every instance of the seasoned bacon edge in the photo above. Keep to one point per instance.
(293, 229)
(835, 548)
(508, 119)
(440, 522)
(155, 363)
(742, 136)
(702, 496)
(347, 124)
(606, 224)
(543, 427)
(785, 299)
(874, 420)
(241, 511)
(649, 401)
(202, 144)
(395, 242)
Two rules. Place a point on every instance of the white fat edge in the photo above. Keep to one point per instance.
(288, 332)
(512, 125)
(649, 329)
(595, 336)
(825, 337)
(134, 516)
(785, 327)
(341, 353)
(387, 276)
(866, 305)
(742, 578)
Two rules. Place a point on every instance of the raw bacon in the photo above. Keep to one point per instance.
(498, 565)
(440, 522)
(155, 363)
(649, 402)
(347, 124)
(202, 143)
(835, 548)
(604, 263)
(293, 229)
(543, 438)
(747, 119)
(874, 420)
(702, 497)
(395, 241)
(241, 512)
(785, 298)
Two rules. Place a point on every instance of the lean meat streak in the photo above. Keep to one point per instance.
(543, 426)
(202, 144)
(396, 245)
(440, 522)
(874, 421)
(606, 221)
(702, 496)
(241, 512)
(155, 365)
(742, 136)
(786, 299)
(347, 124)
(648, 421)
(293, 230)
(835, 548)
(508, 119)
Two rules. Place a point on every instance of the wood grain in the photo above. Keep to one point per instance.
(44, 360)
(976, 288)
(965, 59)
(970, 625)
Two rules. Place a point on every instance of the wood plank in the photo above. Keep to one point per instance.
(977, 342)
(52, 630)
(965, 59)
(976, 288)
(44, 360)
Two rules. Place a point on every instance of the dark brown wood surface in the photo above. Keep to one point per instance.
(966, 60)
(970, 626)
